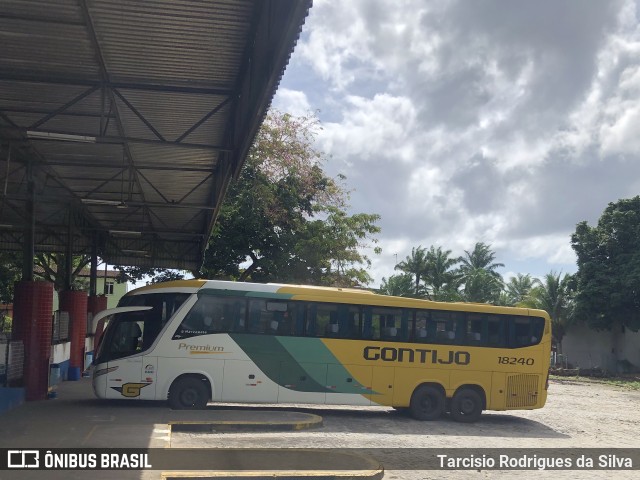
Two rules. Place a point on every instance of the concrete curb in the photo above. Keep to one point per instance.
(217, 426)
(283, 475)
(285, 464)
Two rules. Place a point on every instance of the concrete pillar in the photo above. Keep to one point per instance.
(96, 304)
(32, 323)
(75, 302)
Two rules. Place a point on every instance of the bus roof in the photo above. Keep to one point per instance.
(328, 294)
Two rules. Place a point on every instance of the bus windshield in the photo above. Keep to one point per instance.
(134, 332)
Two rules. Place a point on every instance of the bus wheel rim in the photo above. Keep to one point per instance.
(467, 406)
(189, 396)
(426, 404)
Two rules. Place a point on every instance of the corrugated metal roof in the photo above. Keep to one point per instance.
(131, 117)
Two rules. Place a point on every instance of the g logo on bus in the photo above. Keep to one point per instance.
(131, 390)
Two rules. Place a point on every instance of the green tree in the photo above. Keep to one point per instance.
(608, 277)
(481, 282)
(440, 277)
(52, 267)
(10, 272)
(398, 285)
(481, 286)
(518, 288)
(285, 219)
(416, 266)
(555, 295)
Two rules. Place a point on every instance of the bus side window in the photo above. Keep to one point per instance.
(525, 331)
(255, 317)
(390, 324)
(474, 329)
(375, 325)
(367, 331)
(444, 327)
(496, 331)
(322, 320)
(310, 324)
(405, 325)
(270, 317)
(421, 332)
(353, 321)
(298, 319)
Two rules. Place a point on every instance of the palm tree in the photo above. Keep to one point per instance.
(482, 283)
(482, 286)
(397, 285)
(415, 264)
(555, 295)
(439, 275)
(480, 258)
(518, 289)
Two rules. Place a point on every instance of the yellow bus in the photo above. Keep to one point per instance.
(199, 341)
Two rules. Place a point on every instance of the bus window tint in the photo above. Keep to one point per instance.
(319, 320)
(496, 331)
(383, 323)
(213, 314)
(421, 333)
(273, 317)
(442, 327)
(475, 332)
(525, 331)
(350, 321)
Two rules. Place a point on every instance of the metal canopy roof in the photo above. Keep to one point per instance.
(131, 118)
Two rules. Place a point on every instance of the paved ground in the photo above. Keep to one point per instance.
(576, 415)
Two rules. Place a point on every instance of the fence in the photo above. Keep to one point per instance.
(11, 360)
(60, 330)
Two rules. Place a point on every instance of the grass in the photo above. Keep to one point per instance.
(631, 383)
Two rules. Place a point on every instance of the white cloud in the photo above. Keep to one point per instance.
(292, 101)
(457, 121)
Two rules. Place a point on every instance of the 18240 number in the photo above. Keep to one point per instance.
(515, 361)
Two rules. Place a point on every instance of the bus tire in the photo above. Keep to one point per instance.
(466, 405)
(188, 393)
(427, 403)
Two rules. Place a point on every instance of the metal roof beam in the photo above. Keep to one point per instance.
(145, 85)
(203, 119)
(121, 140)
(139, 115)
(138, 167)
(63, 107)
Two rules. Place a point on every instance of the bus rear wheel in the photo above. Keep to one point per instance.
(466, 406)
(427, 403)
(188, 393)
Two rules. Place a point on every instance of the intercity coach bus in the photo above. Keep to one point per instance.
(199, 341)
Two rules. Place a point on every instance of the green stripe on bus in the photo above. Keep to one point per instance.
(277, 363)
(313, 350)
(298, 364)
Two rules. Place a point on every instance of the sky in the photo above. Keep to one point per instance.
(505, 122)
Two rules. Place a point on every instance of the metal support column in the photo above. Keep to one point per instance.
(30, 227)
(68, 258)
(93, 275)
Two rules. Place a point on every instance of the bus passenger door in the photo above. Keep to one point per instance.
(382, 384)
(351, 384)
(302, 382)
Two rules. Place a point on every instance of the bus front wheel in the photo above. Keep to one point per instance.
(188, 393)
(427, 403)
(466, 406)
